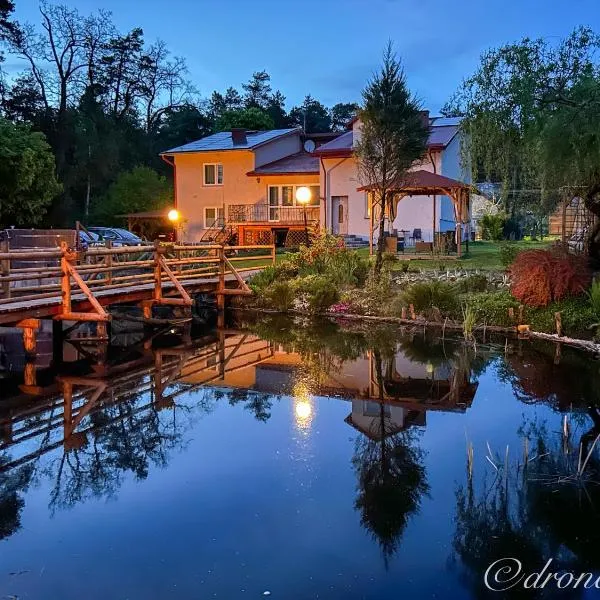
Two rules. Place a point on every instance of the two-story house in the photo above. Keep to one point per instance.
(244, 183)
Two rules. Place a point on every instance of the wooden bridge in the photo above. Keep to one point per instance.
(65, 285)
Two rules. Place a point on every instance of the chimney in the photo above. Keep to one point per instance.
(425, 116)
(238, 135)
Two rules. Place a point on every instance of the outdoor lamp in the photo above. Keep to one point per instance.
(173, 215)
(303, 196)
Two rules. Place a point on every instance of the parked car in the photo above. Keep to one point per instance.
(88, 239)
(118, 236)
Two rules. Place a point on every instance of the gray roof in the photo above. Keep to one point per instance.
(442, 132)
(442, 136)
(443, 121)
(224, 141)
(302, 162)
(342, 142)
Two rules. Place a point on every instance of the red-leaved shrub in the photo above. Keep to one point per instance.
(539, 277)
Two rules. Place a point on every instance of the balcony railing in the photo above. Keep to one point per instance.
(263, 213)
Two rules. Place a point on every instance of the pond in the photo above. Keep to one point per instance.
(298, 460)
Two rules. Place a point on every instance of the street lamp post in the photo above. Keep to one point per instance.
(174, 216)
(303, 197)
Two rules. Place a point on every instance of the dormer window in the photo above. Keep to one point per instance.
(213, 174)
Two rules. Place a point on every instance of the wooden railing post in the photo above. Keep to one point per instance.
(109, 262)
(5, 269)
(65, 280)
(273, 254)
(157, 272)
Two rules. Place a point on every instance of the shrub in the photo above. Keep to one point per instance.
(492, 307)
(471, 284)
(594, 298)
(374, 297)
(314, 259)
(279, 295)
(543, 276)
(577, 317)
(263, 279)
(347, 267)
(429, 294)
(492, 227)
(320, 292)
(508, 253)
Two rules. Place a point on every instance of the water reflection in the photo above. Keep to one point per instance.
(86, 431)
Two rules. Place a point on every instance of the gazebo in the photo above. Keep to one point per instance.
(426, 183)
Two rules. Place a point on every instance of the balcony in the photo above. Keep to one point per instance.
(263, 213)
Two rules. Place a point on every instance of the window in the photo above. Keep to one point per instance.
(212, 216)
(273, 203)
(285, 195)
(340, 213)
(213, 174)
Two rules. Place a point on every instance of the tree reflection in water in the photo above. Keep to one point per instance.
(391, 478)
(13, 484)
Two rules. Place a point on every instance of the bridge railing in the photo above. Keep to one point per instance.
(27, 275)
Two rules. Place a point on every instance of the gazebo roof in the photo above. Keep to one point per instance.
(422, 182)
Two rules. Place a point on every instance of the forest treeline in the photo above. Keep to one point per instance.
(84, 119)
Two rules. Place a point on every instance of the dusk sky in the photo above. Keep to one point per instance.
(329, 48)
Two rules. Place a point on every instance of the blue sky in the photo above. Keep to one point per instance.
(329, 48)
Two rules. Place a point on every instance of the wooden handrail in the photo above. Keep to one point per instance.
(85, 274)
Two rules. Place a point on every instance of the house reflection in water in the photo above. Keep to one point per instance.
(410, 387)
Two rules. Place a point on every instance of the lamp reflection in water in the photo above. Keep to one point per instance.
(303, 406)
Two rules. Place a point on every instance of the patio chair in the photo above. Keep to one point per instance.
(417, 235)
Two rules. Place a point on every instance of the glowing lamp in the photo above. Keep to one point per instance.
(173, 215)
(303, 195)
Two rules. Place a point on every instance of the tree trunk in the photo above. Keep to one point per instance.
(380, 239)
(592, 203)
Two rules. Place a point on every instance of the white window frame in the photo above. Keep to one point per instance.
(208, 225)
(216, 166)
(294, 187)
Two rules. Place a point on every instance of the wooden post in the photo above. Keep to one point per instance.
(29, 327)
(221, 289)
(222, 354)
(564, 222)
(273, 254)
(102, 330)
(65, 282)
(413, 316)
(404, 312)
(459, 229)
(57, 343)
(29, 376)
(5, 269)
(558, 321)
(109, 263)
(157, 272)
(67, 387)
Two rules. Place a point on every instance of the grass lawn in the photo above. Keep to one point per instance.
(482, 255)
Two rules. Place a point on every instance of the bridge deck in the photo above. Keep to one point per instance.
(39, 308)
(77, 286)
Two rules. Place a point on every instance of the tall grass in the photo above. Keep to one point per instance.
(469, 321)
(594, 297)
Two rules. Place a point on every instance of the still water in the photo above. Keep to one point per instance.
(296, 460)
